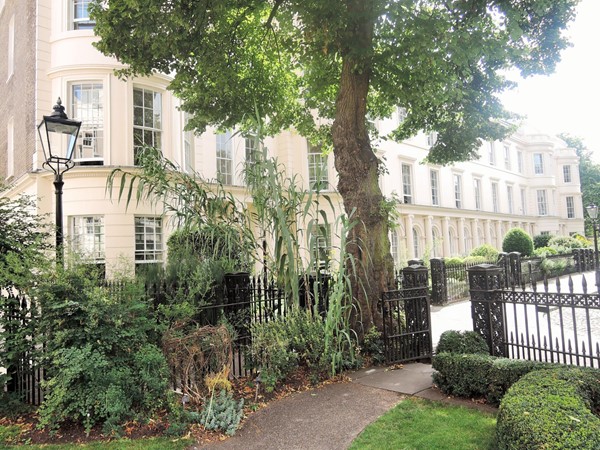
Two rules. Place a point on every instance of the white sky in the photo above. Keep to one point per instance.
(567, 101)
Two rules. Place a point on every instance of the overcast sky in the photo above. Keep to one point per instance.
(568, 100)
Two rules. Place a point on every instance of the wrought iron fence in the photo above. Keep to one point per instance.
(457, 281)
(551, 321)
(245, 301)
(407, 318)
(18, 345)
(535, 269)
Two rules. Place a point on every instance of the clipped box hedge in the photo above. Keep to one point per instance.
(478, 375)
(551, 409)
(542, 405)
(465, 368)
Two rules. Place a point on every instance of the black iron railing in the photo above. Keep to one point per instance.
(553, 321)
(21, 352)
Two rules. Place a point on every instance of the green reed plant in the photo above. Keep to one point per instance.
(340, 339)
(190, 200)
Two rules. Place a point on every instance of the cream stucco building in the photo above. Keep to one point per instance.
(529, 180)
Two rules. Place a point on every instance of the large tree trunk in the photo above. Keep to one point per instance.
(357, 166)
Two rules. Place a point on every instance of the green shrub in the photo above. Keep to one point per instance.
(463, 375)
(517, 240)
(478, 375)
(489, 252)
(551, 409)
(103, 362)
(222, 412)
(505, 372)
(271, 353)
(541, 240)
(555, 267)
(542, 252)
(374, 346)
(454, 261)
(197, 261)
(462, 342)
(564, 242)
(11, 403)
(472, 260)
(281, 345)
(585, 242)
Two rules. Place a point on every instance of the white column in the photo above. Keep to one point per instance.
(499, 237)
(410, 242)
(475, 233)
(429, 233)
(461, 236)
(446, 236)
(488, 232)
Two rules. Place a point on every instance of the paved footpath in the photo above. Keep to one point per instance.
(330, 417)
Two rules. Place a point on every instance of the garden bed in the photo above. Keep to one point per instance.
(159, 426)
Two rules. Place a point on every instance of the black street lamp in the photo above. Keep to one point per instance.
(58, 135)
(592, 211)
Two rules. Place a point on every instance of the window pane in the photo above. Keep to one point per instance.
(86, 105)
(318, 176)
(224, 154)
(81, 15)
(435, 199)
(148, 239)
(87, 237)
(406, 183)
(147, 117)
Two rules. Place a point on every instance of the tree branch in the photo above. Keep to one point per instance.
(269, 22)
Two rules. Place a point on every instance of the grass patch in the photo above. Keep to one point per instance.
(416, 424)
(123, 444)
(8, 434)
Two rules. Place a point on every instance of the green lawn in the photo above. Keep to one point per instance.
(417, 424)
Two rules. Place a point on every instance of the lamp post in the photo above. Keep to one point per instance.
(58, 135)
(592, 211)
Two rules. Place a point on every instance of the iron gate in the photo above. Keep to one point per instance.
(407, 318)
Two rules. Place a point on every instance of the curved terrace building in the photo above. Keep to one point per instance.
(530, 180)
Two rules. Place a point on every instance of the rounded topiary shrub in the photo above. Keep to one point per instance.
(517, 240)
(463, 342)
(551, 409)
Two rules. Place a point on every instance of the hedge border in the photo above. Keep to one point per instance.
(478, 375)
(551, 409)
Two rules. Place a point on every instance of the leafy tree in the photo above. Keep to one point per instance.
(343, 61)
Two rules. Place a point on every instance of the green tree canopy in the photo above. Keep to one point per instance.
(440, 60)
(299, 61)
(24, 236)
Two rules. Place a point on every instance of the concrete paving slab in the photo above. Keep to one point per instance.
(367, 372)
(327, 418)
(410, 379)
